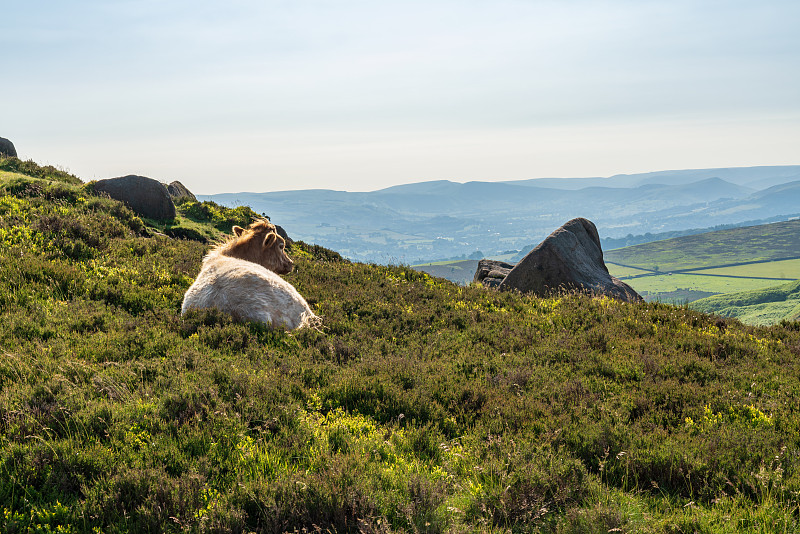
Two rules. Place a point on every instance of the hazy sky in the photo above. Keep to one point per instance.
(359, 95)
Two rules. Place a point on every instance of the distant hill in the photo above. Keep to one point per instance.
(752, 177)
(761, 307)
(459, 271)
(419, 222)
(736, 272)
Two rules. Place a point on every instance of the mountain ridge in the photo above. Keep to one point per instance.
(400, 222)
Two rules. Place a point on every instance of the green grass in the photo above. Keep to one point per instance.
(714, 253)
(766, 306)
(789, 269)
(204, 221)
(659, 284)
(753, 243)
(624, 272)
(420, 406)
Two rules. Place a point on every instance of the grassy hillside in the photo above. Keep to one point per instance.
(687, 269)
(420, 406)
(767, 306)
(766, 242)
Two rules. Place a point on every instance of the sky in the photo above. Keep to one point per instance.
(360, 95)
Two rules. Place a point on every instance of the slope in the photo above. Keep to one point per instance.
(767, 242)
(762, 307)
(419, 406)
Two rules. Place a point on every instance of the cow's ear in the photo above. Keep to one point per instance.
(270, 239)
(237, 231)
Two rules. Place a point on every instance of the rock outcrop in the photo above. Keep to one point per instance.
(568, 259)
(145, 196)
(281, 232)
(7, 148)
(180, 193)
(492, 272)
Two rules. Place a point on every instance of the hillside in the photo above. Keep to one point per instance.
(458, 271)
(763, 307)
(690, 268)
(767, 242)
(420, 406)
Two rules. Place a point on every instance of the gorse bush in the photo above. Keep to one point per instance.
(419, 406)
(32, 169)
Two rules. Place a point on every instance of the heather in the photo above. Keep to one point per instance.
(418, 406)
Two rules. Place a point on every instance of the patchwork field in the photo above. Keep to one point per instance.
(657, 287)
(687, 269)
(787, 269)
(764, 243)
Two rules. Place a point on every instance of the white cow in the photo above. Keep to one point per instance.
(240, 277)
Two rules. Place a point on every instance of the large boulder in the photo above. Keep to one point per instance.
(145, 196)
(180, 193)
(568, 259)
(492, 272)
(7, 148)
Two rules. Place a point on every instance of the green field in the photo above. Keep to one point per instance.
(623, 272)
(763, 307)
(789, 269)
(653, 287)
(741, 259)
(765, 242)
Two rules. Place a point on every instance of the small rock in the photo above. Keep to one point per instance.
(180, 193)
(7, 148)
(491, 272)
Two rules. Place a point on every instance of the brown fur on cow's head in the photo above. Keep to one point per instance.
(260, 244)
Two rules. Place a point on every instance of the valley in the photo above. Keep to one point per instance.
(429, 221)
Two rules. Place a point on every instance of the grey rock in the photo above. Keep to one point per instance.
(7, 148)
(491, 272)
(145, 196)
(568, 259)
(281, 232)
(180, 192)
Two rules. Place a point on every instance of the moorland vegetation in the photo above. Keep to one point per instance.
(418, 406)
